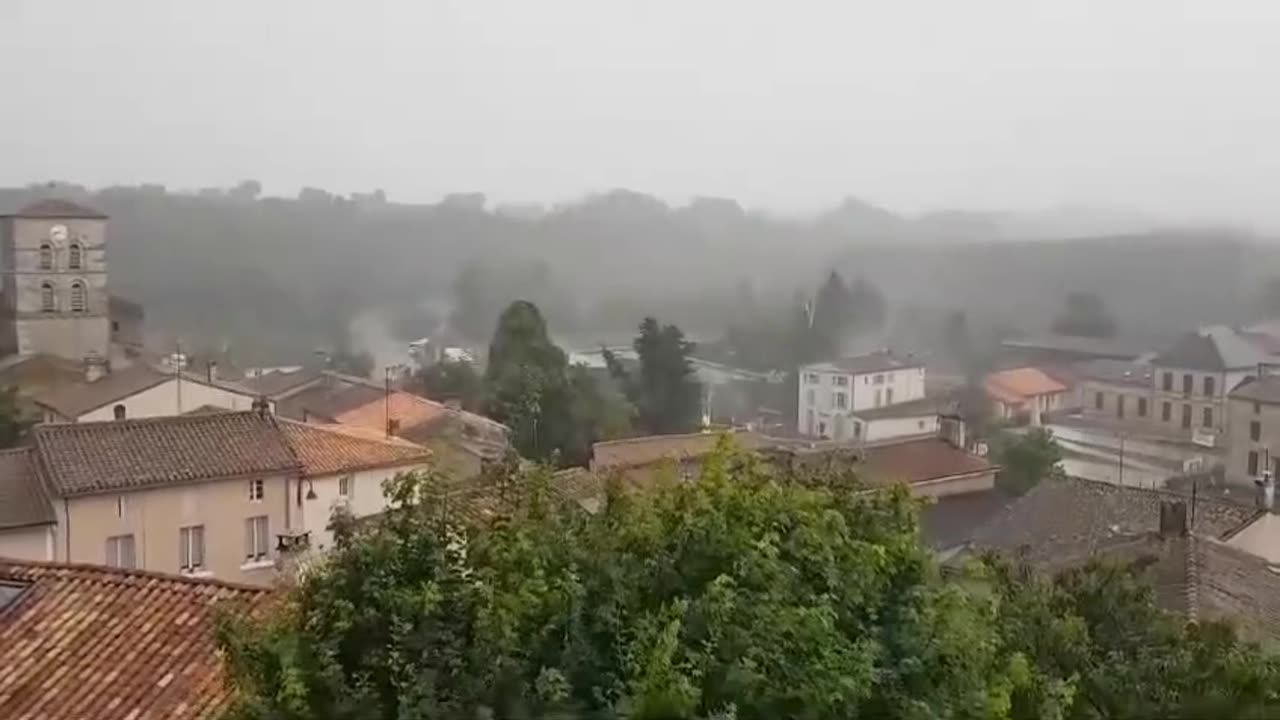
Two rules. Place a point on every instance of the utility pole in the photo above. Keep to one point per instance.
(387, 400)
(1122, 459)
(177, 370)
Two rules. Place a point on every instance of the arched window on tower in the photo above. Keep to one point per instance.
(75, 257)
(79, 301)
(46, 256)
(48, 300)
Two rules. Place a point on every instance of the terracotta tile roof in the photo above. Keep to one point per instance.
(55, 208)
(919, 461)
(633, 452)
(82, 458)
(92, 642)
(23, 500)
(328, 450)
(327, 401)
(1021, 384)
(406, 408)
(1071, 516)
(951, 520)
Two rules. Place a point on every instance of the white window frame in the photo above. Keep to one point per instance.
(257, 490)
(344, 485)
(191, 549)
(841, 400)
(115, 555)
(257, 540)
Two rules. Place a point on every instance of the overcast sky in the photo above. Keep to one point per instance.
(1168, 106)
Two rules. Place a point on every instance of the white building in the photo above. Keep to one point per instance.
(835, 396)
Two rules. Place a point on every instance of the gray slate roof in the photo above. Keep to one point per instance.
(1074, 517)
(868, 363)
(1265, 389)
(1117, 372)
(1192, 352)
(911, 408)
(23, 501)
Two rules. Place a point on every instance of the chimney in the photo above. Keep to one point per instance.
(94, 368)
(212, 371)
(261, 406)
(1173, 518)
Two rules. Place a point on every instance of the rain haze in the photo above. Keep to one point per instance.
(1152, 106)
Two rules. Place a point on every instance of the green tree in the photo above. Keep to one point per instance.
(667, 395)
(527, 387)
(453, 380)
(1085, 314)
(1026, 459)
(740, 595)
(14, 423)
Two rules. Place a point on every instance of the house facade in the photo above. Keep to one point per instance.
(139, 391)
(212, 495)
(1116, 390)
(1253, 438)
(1024, 395)
(832, 393)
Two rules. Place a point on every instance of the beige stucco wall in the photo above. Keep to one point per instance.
(1261, 537)
(167, 399)
(889, 428)
(1197, 399)
(956, 486)
(154, 517)
(1240, 413)
(27, 543)
(366, 499)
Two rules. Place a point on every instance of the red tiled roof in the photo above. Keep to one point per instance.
(83, 641)
(1020, 384)
(407, 409)
(919, 461)
(633, 452)
(82, 458)
(327, 450)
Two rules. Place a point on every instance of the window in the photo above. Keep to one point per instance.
(1142, 407)
(842, 381)
(1255, 431)
(877, 397)
(811, 378)
(120, 552)
(344, 486)
(191, 548)
(48, 298)
(257, 538)
(1253, 462)
(879, 380)
(857, 430)
(1120, 406)
(1186, 417)
(1188, 382)
(1166, 383)
(1208, 386)
(79, 298)
(118, 412)
(256, 490)
(121, 506)
(1097, 401)
(75, 257)
(888, 396)
(1207, 420)
(1166, 412)
(842, 401)
(46, 256)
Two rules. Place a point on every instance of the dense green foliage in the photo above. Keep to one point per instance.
(751, 593)
(1025, 458)
(14, 423)
(452, 380)
(664, 390)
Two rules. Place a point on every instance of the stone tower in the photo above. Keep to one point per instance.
(53, 270)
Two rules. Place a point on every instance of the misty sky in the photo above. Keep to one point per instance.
(1165, 106)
